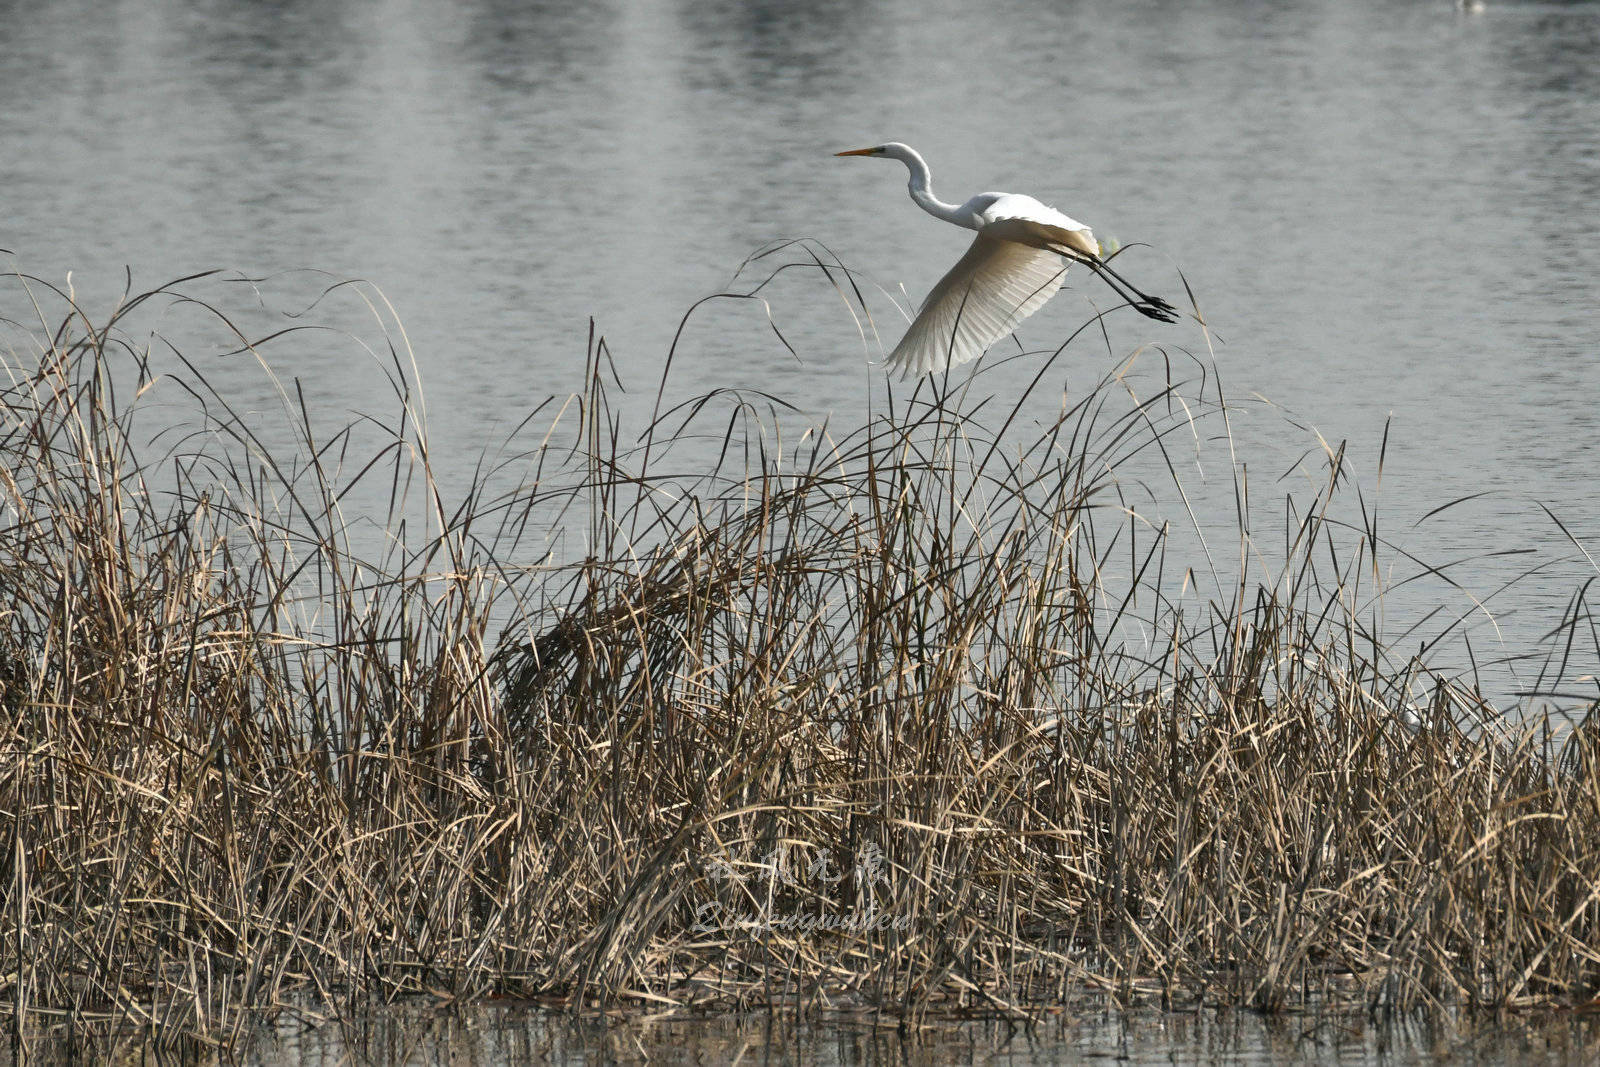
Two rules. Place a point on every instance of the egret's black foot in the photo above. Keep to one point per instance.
(1156, 308)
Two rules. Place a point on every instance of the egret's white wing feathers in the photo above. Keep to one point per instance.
(1013, 207)
(997, 284)
(1042, 227)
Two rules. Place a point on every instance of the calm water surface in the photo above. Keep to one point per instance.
(1386, 210)
(493, 1037)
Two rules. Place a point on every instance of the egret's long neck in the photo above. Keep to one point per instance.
(921, 186)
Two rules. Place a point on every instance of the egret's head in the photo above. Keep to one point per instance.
(893, 150)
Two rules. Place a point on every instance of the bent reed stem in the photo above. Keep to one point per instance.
(854, 723)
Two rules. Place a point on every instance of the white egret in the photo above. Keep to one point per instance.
(1017, 262)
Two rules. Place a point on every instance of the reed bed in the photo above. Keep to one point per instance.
(912, 718)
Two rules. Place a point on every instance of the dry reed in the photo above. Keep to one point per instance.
(849, 724)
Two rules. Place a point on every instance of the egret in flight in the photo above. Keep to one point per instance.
(1017, 262)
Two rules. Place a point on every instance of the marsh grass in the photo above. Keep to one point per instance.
(914, 717)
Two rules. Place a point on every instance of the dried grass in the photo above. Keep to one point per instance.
(853, 723)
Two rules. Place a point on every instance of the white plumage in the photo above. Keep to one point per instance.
(1016, 263)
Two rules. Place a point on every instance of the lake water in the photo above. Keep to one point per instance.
(496, 1036)
(1387, 211)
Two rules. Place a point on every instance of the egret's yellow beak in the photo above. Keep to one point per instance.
(858, 152)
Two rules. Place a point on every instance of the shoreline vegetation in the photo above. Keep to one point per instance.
(852, 723)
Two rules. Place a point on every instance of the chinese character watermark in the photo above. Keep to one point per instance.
(798, 867)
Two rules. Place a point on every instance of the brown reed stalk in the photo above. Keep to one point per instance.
(853, 723)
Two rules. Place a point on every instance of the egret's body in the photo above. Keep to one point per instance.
(1017, 262)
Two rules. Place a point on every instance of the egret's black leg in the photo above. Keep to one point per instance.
(1150, 306)
(1146, 303)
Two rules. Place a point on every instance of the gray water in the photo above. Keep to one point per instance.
(1387, 212)
(503, 1036)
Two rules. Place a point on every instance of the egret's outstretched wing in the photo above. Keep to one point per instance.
(1042, 231)
(1022, 218)
(996, 285)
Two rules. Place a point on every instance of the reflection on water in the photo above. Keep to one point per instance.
(1384, 209)
(505, 1036)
